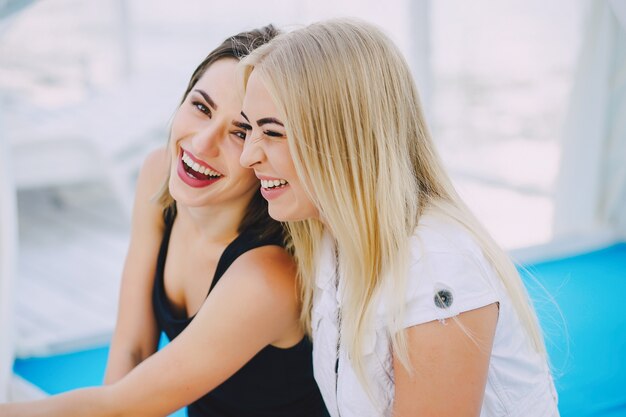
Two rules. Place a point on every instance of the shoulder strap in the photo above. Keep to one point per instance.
(243, 243)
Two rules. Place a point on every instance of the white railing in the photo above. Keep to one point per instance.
(8, 262)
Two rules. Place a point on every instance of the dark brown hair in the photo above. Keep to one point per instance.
(236, 47)
(256, 218)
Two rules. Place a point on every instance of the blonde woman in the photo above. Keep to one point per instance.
(207, 267)
(413, 309)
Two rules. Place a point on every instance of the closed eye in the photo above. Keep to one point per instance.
(273, 134)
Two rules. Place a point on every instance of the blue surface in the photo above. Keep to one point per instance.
(587, 344)
(61, 373)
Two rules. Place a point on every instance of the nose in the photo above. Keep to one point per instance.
(252, 154)
(206, 141)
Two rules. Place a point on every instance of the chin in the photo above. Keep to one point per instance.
(278, 215)
(181, 196)
(284, 215)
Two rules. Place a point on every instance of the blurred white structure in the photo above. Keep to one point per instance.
(591, 191)
(8, 263)
(102, 139)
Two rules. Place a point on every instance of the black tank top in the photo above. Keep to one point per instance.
(274, 383)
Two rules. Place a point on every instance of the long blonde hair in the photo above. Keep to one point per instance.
(359, 141)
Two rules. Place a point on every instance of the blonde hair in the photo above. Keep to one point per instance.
(359, 141)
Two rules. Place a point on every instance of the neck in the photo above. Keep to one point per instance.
(212, 224)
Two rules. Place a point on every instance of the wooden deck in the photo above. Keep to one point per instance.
(72, 247)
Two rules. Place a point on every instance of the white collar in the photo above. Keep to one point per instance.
(326, 263)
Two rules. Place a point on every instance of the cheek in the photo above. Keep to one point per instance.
(280, 158)
(176, 120)
(173, 143)
(172, 186)
(179, 121)
(233, 153)
(251, 178)
(173, 155)
(247, 176)
(303, 198)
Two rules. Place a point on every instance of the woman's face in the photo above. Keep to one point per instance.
(206, 145)
(266, 151)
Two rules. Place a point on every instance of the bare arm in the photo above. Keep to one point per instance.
(136, 333)
(450, 370)
(257, 304)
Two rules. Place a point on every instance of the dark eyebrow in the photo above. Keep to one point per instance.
(207, 98)
(268, 120)
(244, 116)
(241, 125)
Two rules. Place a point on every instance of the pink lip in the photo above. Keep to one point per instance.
(270, 194)
(194, 159)
(265, 177)
(193, 182)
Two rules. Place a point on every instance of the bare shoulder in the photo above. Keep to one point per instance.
(260, 286)
(147, 211)
(269, 259)
(268, 265)
(153, 171)
(270, 271)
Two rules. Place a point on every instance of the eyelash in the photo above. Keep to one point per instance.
(239, 132)
(269, 133)
(202, 107)
(273, 134)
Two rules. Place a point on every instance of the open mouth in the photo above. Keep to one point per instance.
(198, 171)
(195, 173)
(273, 184)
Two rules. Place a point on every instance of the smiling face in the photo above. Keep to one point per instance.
(206, 145)
(266, 150)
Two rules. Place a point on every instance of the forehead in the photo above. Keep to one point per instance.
(219, 82)
(257, 101)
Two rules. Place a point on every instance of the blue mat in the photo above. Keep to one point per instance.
(61, 373)
(587, 347)
(590, 363)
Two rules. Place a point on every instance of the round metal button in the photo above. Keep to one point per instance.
(443, 298)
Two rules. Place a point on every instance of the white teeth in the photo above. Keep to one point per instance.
(272, 183)
(199, 168)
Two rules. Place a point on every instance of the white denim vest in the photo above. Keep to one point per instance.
(444, 258)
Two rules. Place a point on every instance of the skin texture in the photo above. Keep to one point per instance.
(266, 150)
(209, 135)
(449, 369)
(256, 299)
